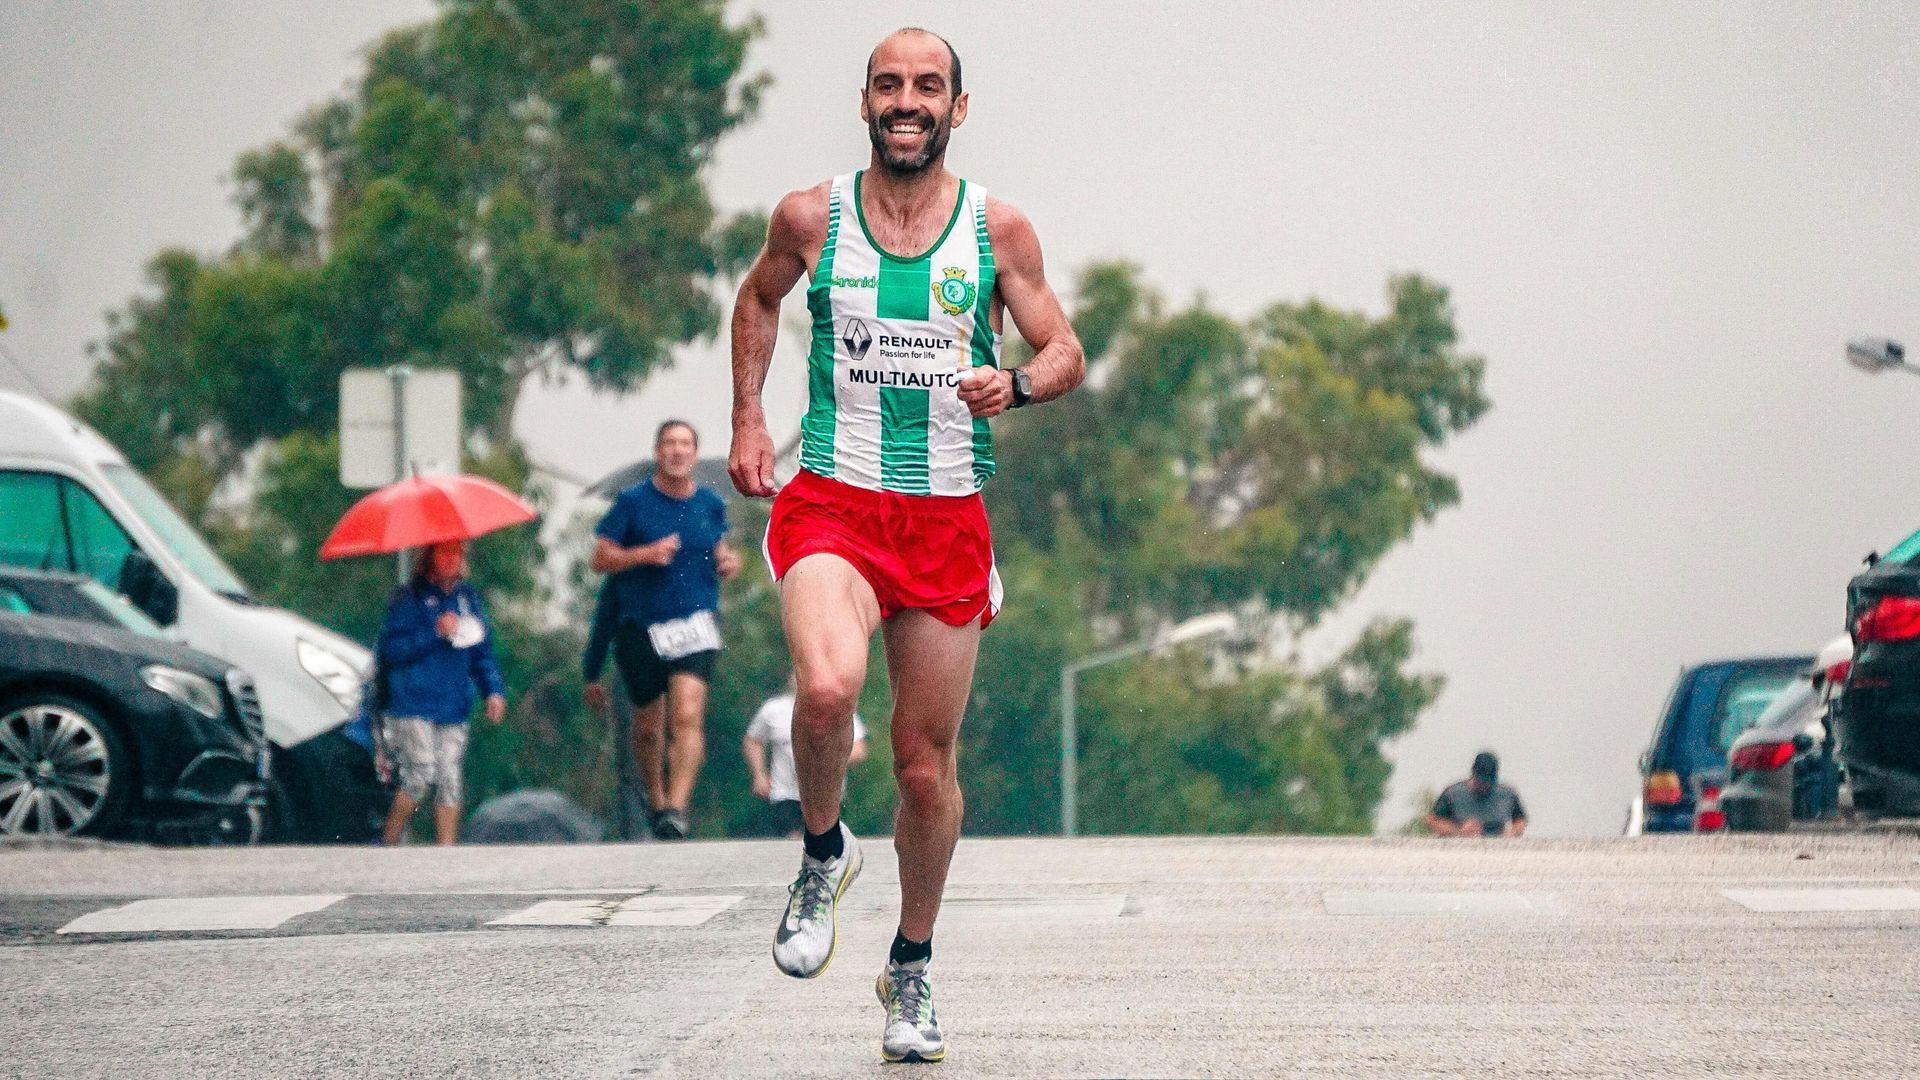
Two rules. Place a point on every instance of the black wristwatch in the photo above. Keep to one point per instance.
(1022, 388)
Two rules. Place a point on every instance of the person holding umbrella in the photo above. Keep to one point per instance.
(436, 646)
(436, 649)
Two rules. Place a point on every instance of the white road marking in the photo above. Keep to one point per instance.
(635, 911)
(1829, 899)
(190, 913)
(1437, 903)
(671, 910)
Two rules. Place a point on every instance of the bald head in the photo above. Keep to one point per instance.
(919, 36)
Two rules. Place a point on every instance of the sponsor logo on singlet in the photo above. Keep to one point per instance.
(857, 339)
(869, 282)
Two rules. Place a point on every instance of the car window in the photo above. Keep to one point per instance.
(33, 532)
(1904, 551)
(11, 600)
(100, 545)
(1801, 697)
(1747, 696)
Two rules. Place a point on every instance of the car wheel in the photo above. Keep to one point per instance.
(281, 822)
(63, 768)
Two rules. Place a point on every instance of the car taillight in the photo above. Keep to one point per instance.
(1837, 674)
(1893, 618)
(1663, 788)
(1707, 815)
(1763, 757)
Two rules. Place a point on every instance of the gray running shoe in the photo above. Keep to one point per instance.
(913, 1032)
(671, 825)
(804, 941)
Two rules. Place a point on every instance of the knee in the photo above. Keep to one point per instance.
(926, 781)
(825, 701)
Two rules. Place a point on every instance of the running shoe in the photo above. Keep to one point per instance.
(671, 825)
(804, 941)
(913, 1032)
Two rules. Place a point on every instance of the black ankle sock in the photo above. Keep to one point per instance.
(826, 845)
(909, 952)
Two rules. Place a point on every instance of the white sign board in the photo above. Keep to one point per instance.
(378, 405)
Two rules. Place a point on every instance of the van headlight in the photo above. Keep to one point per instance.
(332, 671)
(195, 692)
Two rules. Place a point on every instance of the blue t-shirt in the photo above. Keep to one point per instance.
(652, 594)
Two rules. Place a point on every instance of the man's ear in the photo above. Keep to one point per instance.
(959, 110)
(866, 114)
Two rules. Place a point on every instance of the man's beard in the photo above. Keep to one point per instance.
(938, 130)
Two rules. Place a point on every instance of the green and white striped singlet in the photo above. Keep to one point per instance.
(891, 337)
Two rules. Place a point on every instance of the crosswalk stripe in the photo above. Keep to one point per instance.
(1825, 899)
(634, 911)
(193, 913)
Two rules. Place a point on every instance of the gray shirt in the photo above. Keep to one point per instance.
(1494, 809)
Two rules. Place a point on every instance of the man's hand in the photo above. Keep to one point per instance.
(496, 708)
(750, 462)
(761, 787)
(597, 697)
(987, 391)
(726, 561)
(1470, 827)
(447, 625)
(662, 551)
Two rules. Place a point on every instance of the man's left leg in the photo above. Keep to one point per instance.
(687, 745)
(930, 667)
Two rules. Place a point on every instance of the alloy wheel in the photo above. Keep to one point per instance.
(55, 770)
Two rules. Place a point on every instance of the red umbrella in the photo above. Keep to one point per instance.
(423, 510)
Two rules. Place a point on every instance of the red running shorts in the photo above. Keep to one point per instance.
(932, 553)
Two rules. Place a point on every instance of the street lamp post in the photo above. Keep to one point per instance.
(1874, 355)
(1200, 626)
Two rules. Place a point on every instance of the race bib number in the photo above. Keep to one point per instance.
(698, 632)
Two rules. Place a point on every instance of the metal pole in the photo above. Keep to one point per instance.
(398, 374)
(1069, 756)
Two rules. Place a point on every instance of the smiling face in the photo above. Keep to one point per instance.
(910, 103)
(676, 452)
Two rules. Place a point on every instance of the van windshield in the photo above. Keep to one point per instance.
(186, 545)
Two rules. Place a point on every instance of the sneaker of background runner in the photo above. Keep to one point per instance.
(913, 1032)
(671, 825)
(804, 941)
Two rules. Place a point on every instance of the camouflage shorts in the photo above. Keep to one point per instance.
(428, 755)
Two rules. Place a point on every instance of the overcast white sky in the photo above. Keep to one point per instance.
(1659, 221)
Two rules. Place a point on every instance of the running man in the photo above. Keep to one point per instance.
(911, 273)
(663, 544)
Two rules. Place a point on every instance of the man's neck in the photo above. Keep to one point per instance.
(678, 489)
(904, 196)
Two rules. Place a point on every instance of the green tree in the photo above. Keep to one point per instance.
(513, 190)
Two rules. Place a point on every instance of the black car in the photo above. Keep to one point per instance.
(111, 731)
(1878, 721)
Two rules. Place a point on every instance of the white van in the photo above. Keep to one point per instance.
(70, 501)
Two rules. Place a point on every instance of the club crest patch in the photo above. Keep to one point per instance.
(954, 292)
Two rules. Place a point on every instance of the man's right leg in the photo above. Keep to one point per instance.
(830, 614)
(649, 749)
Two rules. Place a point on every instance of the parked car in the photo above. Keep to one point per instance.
(1878, 722)
(70, 501)
(108, 731)
(1711, 704)
(1783, 769)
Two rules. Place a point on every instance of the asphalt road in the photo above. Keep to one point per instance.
(1657, 956)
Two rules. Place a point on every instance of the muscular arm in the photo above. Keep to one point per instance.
(795, 235)
(1020, 278)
